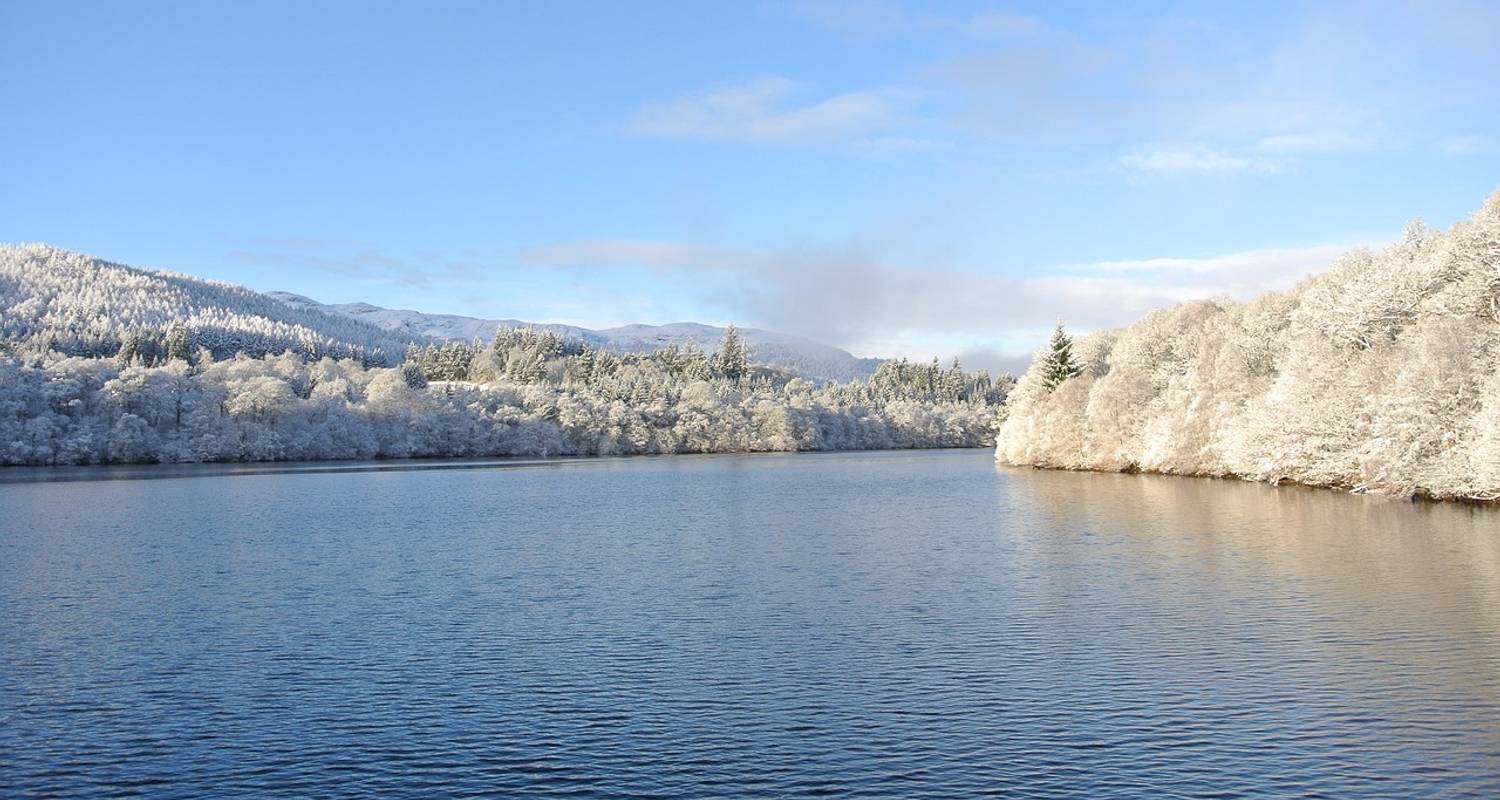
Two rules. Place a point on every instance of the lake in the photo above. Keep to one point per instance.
(897, 624)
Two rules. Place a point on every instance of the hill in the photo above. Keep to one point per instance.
(57, 299)
(83, 306)
(1378, 375)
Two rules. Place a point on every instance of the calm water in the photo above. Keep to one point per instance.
(894, 624)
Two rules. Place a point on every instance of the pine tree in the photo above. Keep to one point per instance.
(130, 346)
(955, 383)
(695, 364)
(179, 343)
(671, 359)
(731, 360)
(1058, 365)
(412, 374)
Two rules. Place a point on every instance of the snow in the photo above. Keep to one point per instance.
(812, 360)
(104, 363)
(53, 299)
(1378, 375)
(85, 411)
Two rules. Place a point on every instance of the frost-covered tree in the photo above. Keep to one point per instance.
(57, 300)
(730, 361)
(57, 409)
(413, 375)
(179, 343)
(106, 363)
(1378, 375)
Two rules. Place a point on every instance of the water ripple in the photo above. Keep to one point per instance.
(851, 625)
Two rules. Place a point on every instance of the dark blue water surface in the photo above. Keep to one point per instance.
(895, 624)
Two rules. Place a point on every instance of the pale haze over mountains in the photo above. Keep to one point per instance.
(810, 358)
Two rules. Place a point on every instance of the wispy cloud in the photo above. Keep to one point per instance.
(1196, 159)
(1225, 103)
(889, 145)
(848, 295)
(886, 18)
(1269, 155)
(870, 18)
(776, 111)
(362, 263)
(1318, 142)
(1236, 274)
(1472, 145)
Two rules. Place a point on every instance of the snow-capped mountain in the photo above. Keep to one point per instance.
(812, 359)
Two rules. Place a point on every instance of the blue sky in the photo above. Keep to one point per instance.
(896, 179)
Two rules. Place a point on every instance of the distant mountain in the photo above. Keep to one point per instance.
(805, 356)
(55, 299)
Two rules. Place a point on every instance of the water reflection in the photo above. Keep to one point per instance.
(1370, 553)
(1369, 614)
(891, 624)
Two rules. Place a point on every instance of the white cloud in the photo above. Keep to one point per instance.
(848, 296)
(868, 18)
(1196, 159)
(1250, 104)
(1320, 142)
(635, 253)
(359, 262)
(887, 145)
(1001, 23)
(767, 111)
(1269, 154)
(1471, 145)
(1237, 274)
(871, 19)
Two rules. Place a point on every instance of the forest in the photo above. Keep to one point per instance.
(107, 364)
(1378, 375)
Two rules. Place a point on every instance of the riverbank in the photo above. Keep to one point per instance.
(1491, 500)
(157, 471)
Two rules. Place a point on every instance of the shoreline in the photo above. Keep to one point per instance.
(64, 473)
(1415, 497)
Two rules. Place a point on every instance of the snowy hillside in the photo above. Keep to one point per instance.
(52, 298)
(83, 306)
(809, 358)
(1377, 375)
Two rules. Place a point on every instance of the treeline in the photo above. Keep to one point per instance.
(1378, 375)
(529, 356)
(525, 393)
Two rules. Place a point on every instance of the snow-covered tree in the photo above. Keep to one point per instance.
(1058, 364)
(57, 300)
(105, 363)
(1377, 375)
(730, 360)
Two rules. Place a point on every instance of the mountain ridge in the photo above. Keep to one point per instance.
(808, 357)
(53, 298)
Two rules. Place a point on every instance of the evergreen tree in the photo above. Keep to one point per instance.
(130, 346)
(671, 359)
(412, 374)
(179, 344)
(696, 365)
(731, 360)
(1059, 365)
(955, 383)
